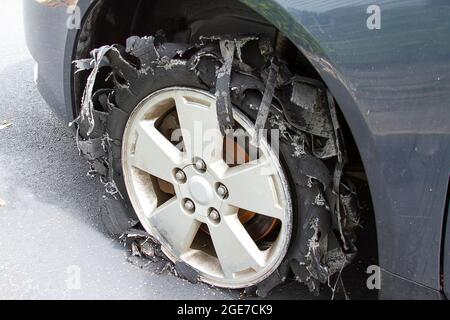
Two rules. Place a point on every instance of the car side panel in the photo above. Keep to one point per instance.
(46, 36)
(52, 43)
(393, 87)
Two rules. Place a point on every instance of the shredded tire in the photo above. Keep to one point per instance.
(264, 88)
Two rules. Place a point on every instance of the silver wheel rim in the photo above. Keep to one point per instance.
(208, 192)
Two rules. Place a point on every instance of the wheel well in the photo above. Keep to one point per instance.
(182, 21)
(110, 21)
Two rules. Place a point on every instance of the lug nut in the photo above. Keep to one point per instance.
(200, 165)
(189, 205)
(222, 191)
(180, 176)
(214, 215)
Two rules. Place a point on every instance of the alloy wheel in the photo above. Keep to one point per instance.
(230, 221)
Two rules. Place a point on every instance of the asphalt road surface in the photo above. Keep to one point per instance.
(52, 243)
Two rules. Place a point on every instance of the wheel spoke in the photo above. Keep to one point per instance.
(251, 187)
(155, 154)
(234, 247)
(176, 227)
(200, 128)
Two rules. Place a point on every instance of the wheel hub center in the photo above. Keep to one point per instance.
(201, 190)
